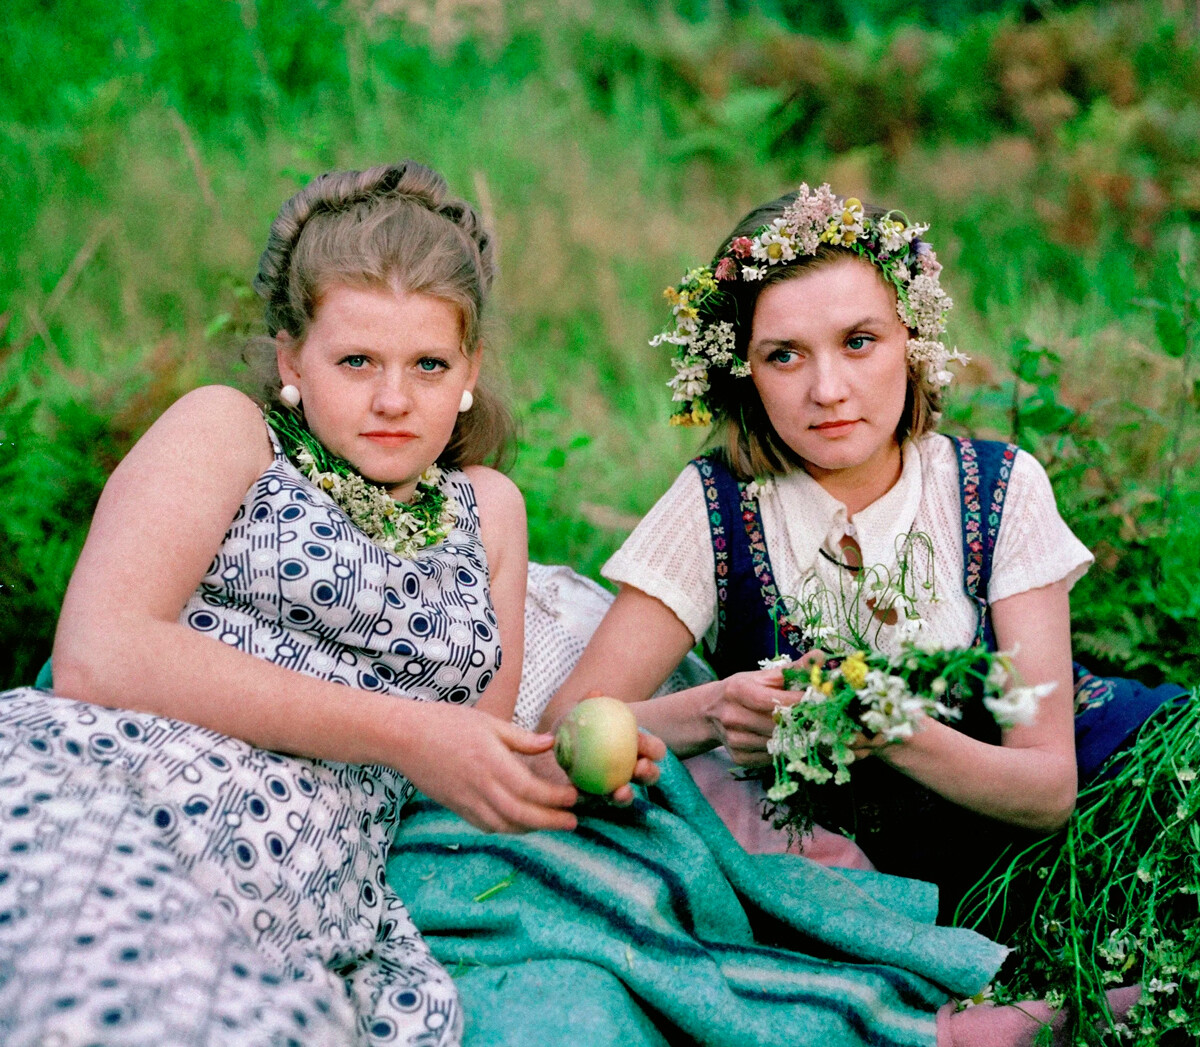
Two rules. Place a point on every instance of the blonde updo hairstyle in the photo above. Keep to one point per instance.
(390, 227)
(740, 423)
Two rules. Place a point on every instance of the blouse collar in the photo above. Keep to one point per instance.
(816, 520)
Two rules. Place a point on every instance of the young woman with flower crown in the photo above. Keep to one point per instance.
(275, 632)
(814, 343)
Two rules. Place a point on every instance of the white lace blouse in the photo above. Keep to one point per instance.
(669, 555)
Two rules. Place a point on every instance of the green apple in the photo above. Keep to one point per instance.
(597, 744)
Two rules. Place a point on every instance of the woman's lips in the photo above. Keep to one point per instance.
(390, 439)
(832, 429)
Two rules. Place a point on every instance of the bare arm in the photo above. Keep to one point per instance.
(635, 648)
(506, 539)
(1029, 779)
(119, 643)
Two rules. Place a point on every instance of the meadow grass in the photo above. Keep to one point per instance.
(611, 146)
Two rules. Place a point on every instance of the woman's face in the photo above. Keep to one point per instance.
(828, 358)
(381, 374)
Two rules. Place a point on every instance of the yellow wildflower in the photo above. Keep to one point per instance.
(827, 687)
(854, 670)
(688, 312)
(696, 416)
(814, 675)
(671, 295)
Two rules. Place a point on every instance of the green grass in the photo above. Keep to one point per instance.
(149, 143)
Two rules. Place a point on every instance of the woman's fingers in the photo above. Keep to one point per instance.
(520, 814)
(522, 741)
(650, 747)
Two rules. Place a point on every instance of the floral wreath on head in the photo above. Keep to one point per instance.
(704, 340)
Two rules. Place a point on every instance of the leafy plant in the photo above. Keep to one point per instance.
(1112, 899)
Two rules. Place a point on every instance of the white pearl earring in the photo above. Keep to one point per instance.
(290, 395)
(465, 403)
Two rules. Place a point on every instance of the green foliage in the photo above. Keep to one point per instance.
(1054, 147)
(1112, 900)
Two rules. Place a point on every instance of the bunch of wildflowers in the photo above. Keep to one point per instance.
(880, 696)
(703, 340)
(400, 528)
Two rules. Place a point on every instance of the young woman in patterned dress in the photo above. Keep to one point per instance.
(247, 685)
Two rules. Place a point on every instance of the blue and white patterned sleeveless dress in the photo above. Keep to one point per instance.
(162, 884)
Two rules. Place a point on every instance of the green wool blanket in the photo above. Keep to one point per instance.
(650, 925)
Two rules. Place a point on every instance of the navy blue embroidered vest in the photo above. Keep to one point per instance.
(904, 827)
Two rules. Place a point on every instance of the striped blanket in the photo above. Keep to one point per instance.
(650, 925)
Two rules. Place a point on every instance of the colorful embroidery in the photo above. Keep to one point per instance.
(1091, 691)
(712, 504)
(978, 544)
(762, 571)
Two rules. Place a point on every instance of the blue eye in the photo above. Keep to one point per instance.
(782, 356)
(859, 342)
(356, 361)
(431, 364)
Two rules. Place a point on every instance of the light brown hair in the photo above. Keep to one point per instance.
(740, 424)
(392, 226)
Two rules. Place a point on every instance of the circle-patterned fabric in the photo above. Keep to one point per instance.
(162, 883)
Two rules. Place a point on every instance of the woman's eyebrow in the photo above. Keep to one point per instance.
(867, 321)
(767, 345)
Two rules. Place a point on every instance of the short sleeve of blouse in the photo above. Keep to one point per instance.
(669, 555)
(1035, 547)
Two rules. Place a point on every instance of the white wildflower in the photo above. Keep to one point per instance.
(716, 342)
(780, 661)
(1018, 705)
(891, 235)
(774, 245)
(691, 378)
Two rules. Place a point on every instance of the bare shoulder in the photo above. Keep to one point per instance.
(495, 493)
(219, 412)
(214, 422)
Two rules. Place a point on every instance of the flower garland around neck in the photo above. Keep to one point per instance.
(704, 339)
(403, 528)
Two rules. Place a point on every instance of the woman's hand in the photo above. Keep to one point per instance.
(865, 745)
(651, 749)
(470, 762)
(742, 714)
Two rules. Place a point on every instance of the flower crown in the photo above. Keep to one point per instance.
(704, 339)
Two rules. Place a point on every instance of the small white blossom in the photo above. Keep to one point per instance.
(1018, 705)
(691, 378)
(780, 661)
(774, 245)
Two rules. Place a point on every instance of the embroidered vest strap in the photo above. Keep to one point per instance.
(749, 624)
(984, 468)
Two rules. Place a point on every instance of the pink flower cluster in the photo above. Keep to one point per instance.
(808, 216)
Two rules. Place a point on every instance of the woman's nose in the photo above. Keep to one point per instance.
(392, 395)
(830, 379)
